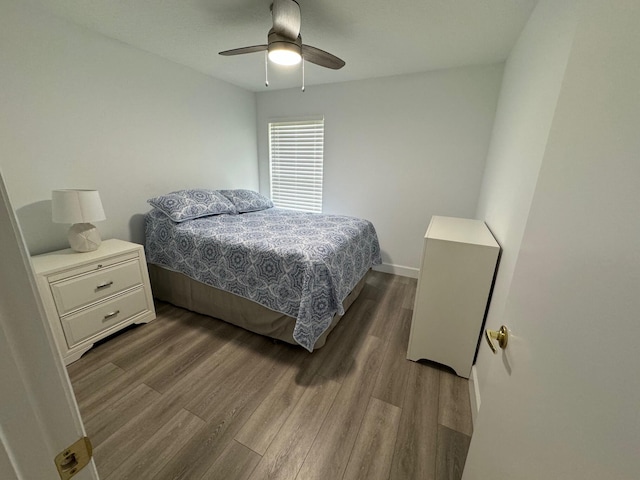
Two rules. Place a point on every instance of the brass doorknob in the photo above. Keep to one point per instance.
(501, 335)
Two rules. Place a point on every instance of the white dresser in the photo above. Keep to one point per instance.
(88, 296)
(458, 265)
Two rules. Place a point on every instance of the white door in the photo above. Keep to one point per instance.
(39, 417)
(563, 400)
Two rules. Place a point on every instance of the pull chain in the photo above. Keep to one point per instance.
(303, 74)
(266, 68)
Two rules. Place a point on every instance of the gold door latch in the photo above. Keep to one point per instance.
(74, 458)
(501, 335)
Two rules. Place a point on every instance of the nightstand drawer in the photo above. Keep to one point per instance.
(90, 287)
(94, 320)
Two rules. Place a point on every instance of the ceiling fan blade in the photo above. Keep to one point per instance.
(322, 58)
(286, 18)
(240, 51)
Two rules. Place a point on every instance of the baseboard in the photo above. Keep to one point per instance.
(474, 394)
(397, 270)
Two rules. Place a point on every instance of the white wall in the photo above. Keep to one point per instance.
(397, 150)
(530, 88)
(79, 110)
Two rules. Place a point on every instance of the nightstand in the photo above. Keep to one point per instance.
(88, 296)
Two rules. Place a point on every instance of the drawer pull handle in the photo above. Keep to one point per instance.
(111, 315)
(104, 285)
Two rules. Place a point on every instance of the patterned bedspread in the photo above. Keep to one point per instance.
(300, 264)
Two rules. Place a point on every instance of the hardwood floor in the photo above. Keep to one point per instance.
(190, 397)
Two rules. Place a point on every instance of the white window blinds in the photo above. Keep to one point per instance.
(296, 152)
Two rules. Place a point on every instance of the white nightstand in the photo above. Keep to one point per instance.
(88, 296)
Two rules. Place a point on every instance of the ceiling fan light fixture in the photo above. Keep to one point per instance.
(284, 53)
(284, 42)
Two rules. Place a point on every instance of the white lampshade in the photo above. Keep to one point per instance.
(79, 207)
(76, 206)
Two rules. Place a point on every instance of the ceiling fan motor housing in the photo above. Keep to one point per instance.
(280, 42)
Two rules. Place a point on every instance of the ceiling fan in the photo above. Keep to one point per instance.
(284, 42)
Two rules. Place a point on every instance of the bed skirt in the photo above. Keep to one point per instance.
(182, 291)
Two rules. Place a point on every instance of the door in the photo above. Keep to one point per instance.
(39, 417)
(563, 400)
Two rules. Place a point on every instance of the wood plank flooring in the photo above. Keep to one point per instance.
(191, 397)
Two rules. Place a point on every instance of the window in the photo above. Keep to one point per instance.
(296, 155)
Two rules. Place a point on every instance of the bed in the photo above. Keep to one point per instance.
(282, 273)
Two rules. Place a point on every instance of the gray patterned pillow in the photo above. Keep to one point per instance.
(189, 204)
(247, 200)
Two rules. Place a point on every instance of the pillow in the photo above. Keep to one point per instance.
(189, 204)
(247, 200)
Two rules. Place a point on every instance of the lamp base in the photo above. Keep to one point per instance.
(84, 237)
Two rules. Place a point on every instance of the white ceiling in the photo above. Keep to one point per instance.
(376, 38)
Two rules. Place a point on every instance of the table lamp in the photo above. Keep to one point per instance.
(79, 207)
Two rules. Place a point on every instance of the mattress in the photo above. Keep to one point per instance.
(300, 264)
